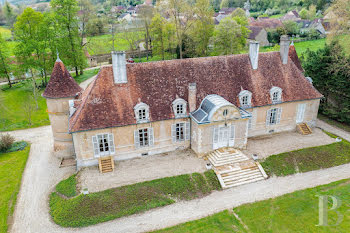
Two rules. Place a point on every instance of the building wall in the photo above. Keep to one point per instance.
(124, 141)
(262, 38)
(58, 110)
(288, 117)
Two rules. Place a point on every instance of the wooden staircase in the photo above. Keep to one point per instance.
(304, 129)
(106, 164)
(233, 168)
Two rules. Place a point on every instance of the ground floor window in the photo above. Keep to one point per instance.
(180, 131)
(143, 137)
(273, 116)
(103, 144)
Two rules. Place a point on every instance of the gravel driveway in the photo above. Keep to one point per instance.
(42, 174)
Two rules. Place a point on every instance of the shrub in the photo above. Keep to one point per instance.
(17, 146)
(6, 141)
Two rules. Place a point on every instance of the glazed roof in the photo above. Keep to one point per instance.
(61, 84)
(106, 104)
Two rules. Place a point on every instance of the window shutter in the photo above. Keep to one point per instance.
(147, 114)
(279, 114)
(95, 145)
(232, 136)
(215, 138)
(173, 132)
(150, 136)
(136, 139)
(268, 116)
(111, 143)
(188, 131)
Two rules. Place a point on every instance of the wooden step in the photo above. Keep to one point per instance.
(304, 129)
(106, 164)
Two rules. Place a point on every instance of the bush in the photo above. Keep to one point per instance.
(6, 141)
(17, 146)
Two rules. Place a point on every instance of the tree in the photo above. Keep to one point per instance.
(304, 13)
(340, 22)
(158, 34)
(9, 14)
(227, 37)
(5, 67)
(203, 27)
(329, 68)
(292, 28)
(145, 14)
(86, 10)
(69, 44)
(181, 15)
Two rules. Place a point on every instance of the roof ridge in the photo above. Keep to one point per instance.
(80, 107)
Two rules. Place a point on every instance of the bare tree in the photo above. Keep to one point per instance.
(28, 109)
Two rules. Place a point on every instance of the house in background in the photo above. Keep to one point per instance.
(307, 25)
(258, 34)
(291, 15)
(266, 23)
(139, 109)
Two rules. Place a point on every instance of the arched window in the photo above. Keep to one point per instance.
(180, 107)
(141, 112)
(276, 95)
(245, 99)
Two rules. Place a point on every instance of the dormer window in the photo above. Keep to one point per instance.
(276, 95)
(141, 112)
(245, 99)
(180, 107)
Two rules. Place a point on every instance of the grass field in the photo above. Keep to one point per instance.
(12, 102)
(6, 33)
(308, 159)
(93, 208)
(294, 212)
(11, 169)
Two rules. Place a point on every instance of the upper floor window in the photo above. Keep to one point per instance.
(180, 107)
(276, 95)
(225, 112)
(141, 112)
(245, 99)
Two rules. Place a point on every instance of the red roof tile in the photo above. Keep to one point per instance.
(158, 84)
(61, 84)
(294, 56)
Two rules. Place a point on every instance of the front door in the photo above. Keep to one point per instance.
(223, 137)
(300, 113)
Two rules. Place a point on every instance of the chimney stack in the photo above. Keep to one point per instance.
(284, 49)
(119, 67)
(192, 96)
(254, 53)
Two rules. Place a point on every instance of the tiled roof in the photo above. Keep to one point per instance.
(61, 84)
(267, 23)
(254, 32)
(294, 56)
(105, 104)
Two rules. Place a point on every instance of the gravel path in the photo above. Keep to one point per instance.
(42, 174)
(335, 130)
(265, 146)
(151, 167)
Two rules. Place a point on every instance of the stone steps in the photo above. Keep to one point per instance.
(233, 168)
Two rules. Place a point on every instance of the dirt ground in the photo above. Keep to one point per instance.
(265, 146)
(142, 169)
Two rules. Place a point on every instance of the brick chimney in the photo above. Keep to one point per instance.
(192, 96)
(254, 53)
(284, 49)
(119, 67)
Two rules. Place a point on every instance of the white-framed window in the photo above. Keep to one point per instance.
(276, 95)
(245, 99)
(225, 112)
(273, 116)
(141, 112)
(103, 144)
(180, 131)
(143, 137)
(180, 107)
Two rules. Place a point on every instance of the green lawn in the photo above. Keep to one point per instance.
(276, 16)
(12, 101)
(85, 210)
(104, 44)
(11, 169)
(308, 159)
(338, 124)
(294, 212)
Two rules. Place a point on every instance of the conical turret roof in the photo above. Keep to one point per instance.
(61, 84)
